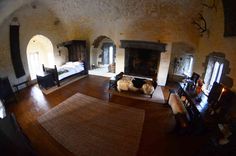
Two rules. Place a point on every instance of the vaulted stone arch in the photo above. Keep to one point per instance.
(103, 53)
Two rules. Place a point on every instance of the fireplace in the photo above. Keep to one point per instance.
(141, 62)
(142, 58)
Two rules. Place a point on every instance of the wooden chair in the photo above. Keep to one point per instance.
(195, 77)
(6, 92)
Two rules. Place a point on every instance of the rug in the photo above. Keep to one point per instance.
(88, 126)
(157, 96)
(62, 84)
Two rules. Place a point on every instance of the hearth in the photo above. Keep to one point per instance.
(141, 62)
(142, 58)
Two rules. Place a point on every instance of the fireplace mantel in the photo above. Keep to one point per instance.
(157, 46)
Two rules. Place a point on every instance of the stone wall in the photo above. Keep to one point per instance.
(216, 42)
(32, 22)
(165, 21)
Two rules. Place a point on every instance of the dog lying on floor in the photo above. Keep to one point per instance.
(136, 84)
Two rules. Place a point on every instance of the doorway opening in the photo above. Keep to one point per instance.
(39, 51)
(103, 57)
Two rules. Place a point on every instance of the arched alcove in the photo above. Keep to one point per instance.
(217, 69)
(103, 56)
(182, 60)
(39, 51)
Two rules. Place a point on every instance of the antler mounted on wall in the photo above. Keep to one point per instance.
(211, 5)
(201, 24)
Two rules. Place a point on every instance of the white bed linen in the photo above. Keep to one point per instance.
(70, 68)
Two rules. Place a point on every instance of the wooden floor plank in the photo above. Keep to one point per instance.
(156, 138)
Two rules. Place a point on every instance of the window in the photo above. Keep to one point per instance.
(108, 53)
(34, 64)
(214, 72)
(39, 51)
(188, 66)
(111, 55)
(183, 65)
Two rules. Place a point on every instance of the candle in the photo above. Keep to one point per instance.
(221, 94)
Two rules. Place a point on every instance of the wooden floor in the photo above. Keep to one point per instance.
(157, 136)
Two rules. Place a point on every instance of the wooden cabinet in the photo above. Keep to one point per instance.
(77, 50)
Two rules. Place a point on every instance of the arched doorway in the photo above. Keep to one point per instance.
(39, 51)
(103, 57)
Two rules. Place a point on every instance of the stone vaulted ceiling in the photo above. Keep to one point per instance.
(94, 14)
(70, 10)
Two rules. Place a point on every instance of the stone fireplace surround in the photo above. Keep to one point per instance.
(141, 57)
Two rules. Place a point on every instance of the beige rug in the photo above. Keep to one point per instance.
(157, 96)
(62, 84)
(88, 126)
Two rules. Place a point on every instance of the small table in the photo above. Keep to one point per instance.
(45, 80)
(198, 102)
(196, 106)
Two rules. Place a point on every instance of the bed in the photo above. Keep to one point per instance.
(69, 69)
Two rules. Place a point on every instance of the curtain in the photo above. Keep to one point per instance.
(15, 51)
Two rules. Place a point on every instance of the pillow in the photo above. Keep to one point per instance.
(69, 63)
(148, 89)
(138, 83)
(78, 63)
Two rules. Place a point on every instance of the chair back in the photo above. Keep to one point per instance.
(195, 77)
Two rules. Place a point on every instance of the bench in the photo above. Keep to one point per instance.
(179, 111)
(19, 84)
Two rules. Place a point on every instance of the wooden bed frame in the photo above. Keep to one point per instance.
(77, 51)
(55, 75)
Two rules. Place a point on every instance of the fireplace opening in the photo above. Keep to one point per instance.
(141, 62)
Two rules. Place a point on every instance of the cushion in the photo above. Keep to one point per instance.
(178, 109)
(78, 63)
(176, 104)
(138, 83)
(123, 84)
(69, 63)
(119, 76)
(148, 89)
